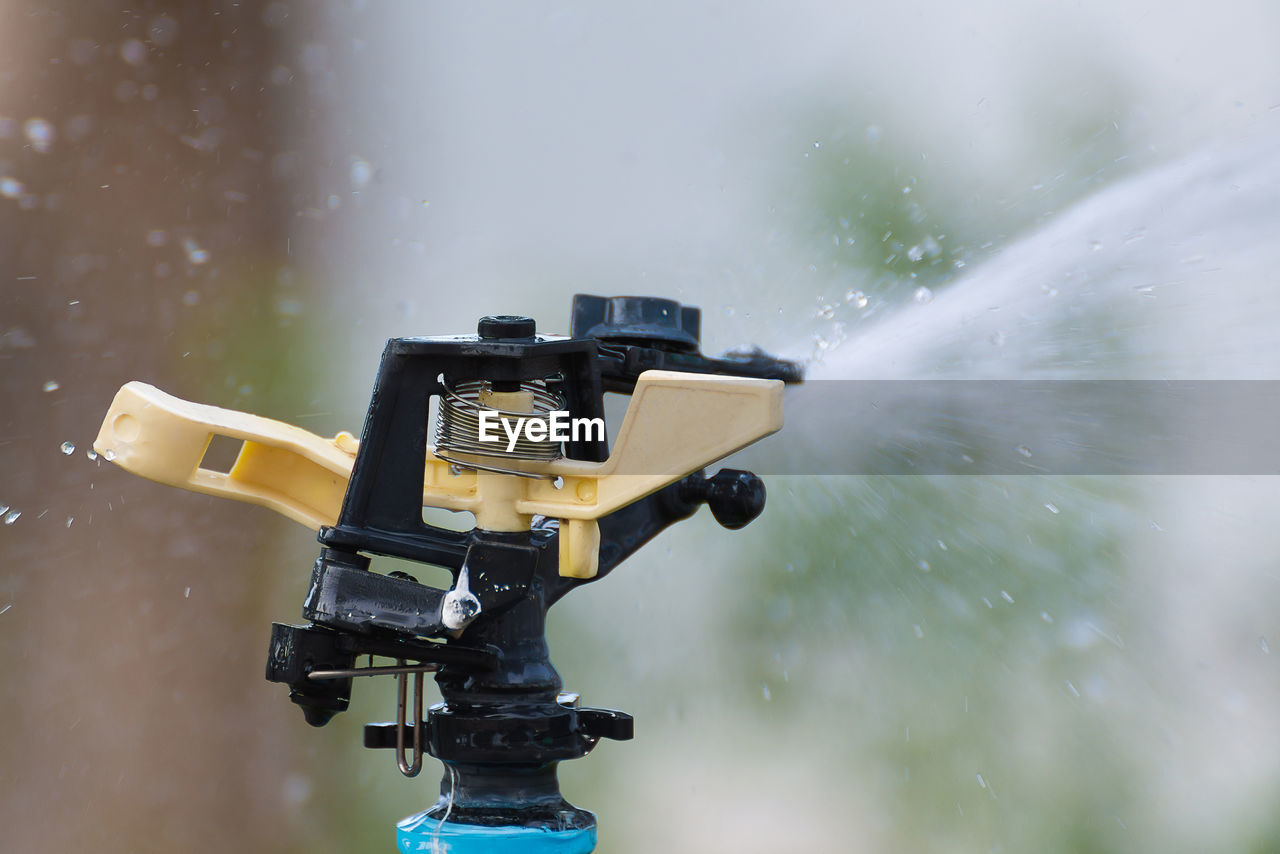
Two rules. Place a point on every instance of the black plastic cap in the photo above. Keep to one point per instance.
(735, 497)
(506, 326)
(657, 321)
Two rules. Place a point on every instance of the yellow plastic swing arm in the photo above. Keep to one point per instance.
(675, 424)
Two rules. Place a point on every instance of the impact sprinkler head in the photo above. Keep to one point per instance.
(519, 441)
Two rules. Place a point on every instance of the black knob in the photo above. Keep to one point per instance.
(735, 497)
(506, 326)
(653, 321)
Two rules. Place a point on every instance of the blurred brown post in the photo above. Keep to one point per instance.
(149, 164)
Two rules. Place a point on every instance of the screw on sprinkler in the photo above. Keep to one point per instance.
(553, 512)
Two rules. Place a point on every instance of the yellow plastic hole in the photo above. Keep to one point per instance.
(125, 427)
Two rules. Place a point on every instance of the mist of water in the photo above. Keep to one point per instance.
(1168, 275)
(1082, 648)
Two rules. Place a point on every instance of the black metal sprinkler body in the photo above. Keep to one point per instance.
(504, 722)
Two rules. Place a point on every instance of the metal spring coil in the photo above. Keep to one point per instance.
(458, 427)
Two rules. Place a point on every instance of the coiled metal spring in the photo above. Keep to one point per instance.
(458, 427)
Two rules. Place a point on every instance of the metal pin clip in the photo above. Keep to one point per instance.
(406, 768)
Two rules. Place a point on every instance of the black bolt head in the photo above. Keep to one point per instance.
(506, 326)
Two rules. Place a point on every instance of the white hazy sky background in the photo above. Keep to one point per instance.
(525, 151)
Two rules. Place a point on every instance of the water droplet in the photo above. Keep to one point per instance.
(1044, 615)
(1264, 646)
(1052, 508)
(39, 133)
(11, 188)
(558, 482)
(4, 508)
(827, 312)
(919, 631)
(1004, 594)
(108, 455)
(12, 516)
(924, 565)
(764, 689)
(163, 31)
(942, 545)
(70, 519)
(195, 254)
(51, 385)
(91, 454)
(1024, 450)
(361, 173)
(915, 253)
(187, 593)
(68, 448)
(133, 52)
(856, 298)
(923, 295)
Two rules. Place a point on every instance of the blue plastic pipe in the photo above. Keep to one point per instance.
(421, 834)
